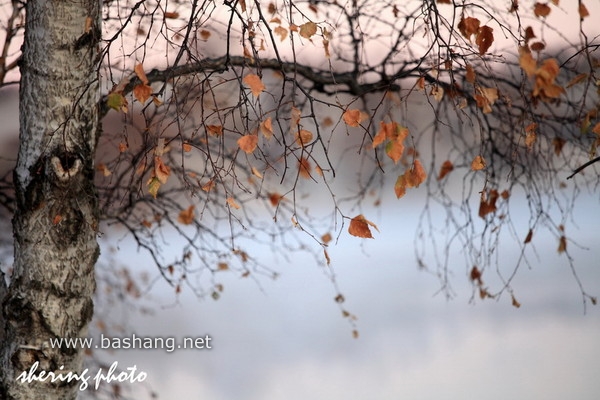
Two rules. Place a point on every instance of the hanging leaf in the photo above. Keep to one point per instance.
(161, 171)
(468, 26)
(541, 10)
(359, 227)
(562, 244)
(416, 174)
(153, 186)
(304, 168)
(116, 101)
(281, 32)
(583, 11)
(142, 92)
(266, 128)
(528, 237)
(308, 29)
(478, 163)
(214, 130)
(470, 76)
(352, 117)
(400, 186)
(445, 169)
(139, 71)
(530, 135)
(231, 202)
(484, 39)
(255, 84)
(248, 143)
(186, 217)
(303, 137)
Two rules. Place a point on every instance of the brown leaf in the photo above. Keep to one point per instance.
(304, 168)
(468, 26)
(445, 169)
(171, 15)
(583, 11)
(266, 128)
(281, 32)
(142, 92)
(562, 244)
(214, 130)
(231, 202)
(139, 71)
(308, 29)
(577, 79)
(541, 9)
(470, 76)
(352, 117)
(359, 227)
(400, 186)
(303, 137)
(186, 217)
(528, 237)
(484, 39)
(161, 171)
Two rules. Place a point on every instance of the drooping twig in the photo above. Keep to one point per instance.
(587, 164)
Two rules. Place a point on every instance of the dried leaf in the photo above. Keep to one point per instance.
(526, 61)
(326, 238)
(478, 163)
(400, 186)
(123, 147)
(205, 34)
(248, 143)
(541, 10)
(153, 186)
(281, 32)
(214, 130)
(528, 237)
(416, 175)
(255, 84)
(437, 92)
(308, 29)
(139, 71)
(484, 39)
(231, 202)
(562, 244)
(142, 92)
(161, 171)
(577, 79)
(359, 227)
(275, 198)
(186, 147)
(352, 117)
(558, 144)
(171, 15)
(266, 128)
(186, 217)
(515, 303)
(445, 169)
(470, 76)
(303, 137)
(583, 11)
(530, 135)
(104, 169)
(468, 26)
(304, 168)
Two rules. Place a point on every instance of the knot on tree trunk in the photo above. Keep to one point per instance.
(65, 166)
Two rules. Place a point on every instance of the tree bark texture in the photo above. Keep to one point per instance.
(56, 219)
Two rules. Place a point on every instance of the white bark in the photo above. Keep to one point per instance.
(55, 224)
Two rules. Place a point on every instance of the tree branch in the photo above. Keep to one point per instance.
(584, 166)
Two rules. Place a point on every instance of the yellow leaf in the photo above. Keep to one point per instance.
(445, 169)
(161, 171)
(352, 117)
(478, 163)
(308, 29)
(255, 84)
(153, 186)
(359, 227)
(142, 92)
(484, 39)
(303, 137)
(256, 173)
(248, 143)
(186, 217)
(139, 71)
(266, 128)
(231, 202)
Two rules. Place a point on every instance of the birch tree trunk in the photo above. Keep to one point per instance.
(56, 221)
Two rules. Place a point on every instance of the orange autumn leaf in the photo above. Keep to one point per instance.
(139, 71)
(359, 227)
(352, 117)
(161, 171)
(304, 168)
(484, 39)
(303, 137)
(562, 244)
(400, 186)
(186, 147)
(596, 129)
(530, 135)
(445, 169)
(275, 198)
(231, 202)
(205, 34)
(123, 147)
(171, 15)
(394, 149)
(248, 143)
(255, 84)
(186, 217)
(266, 128)
(416, 175)
(142, 93)
(526, 61)
(281, 32)
(478, 163)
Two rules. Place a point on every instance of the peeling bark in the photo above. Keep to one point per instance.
(56, 217)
